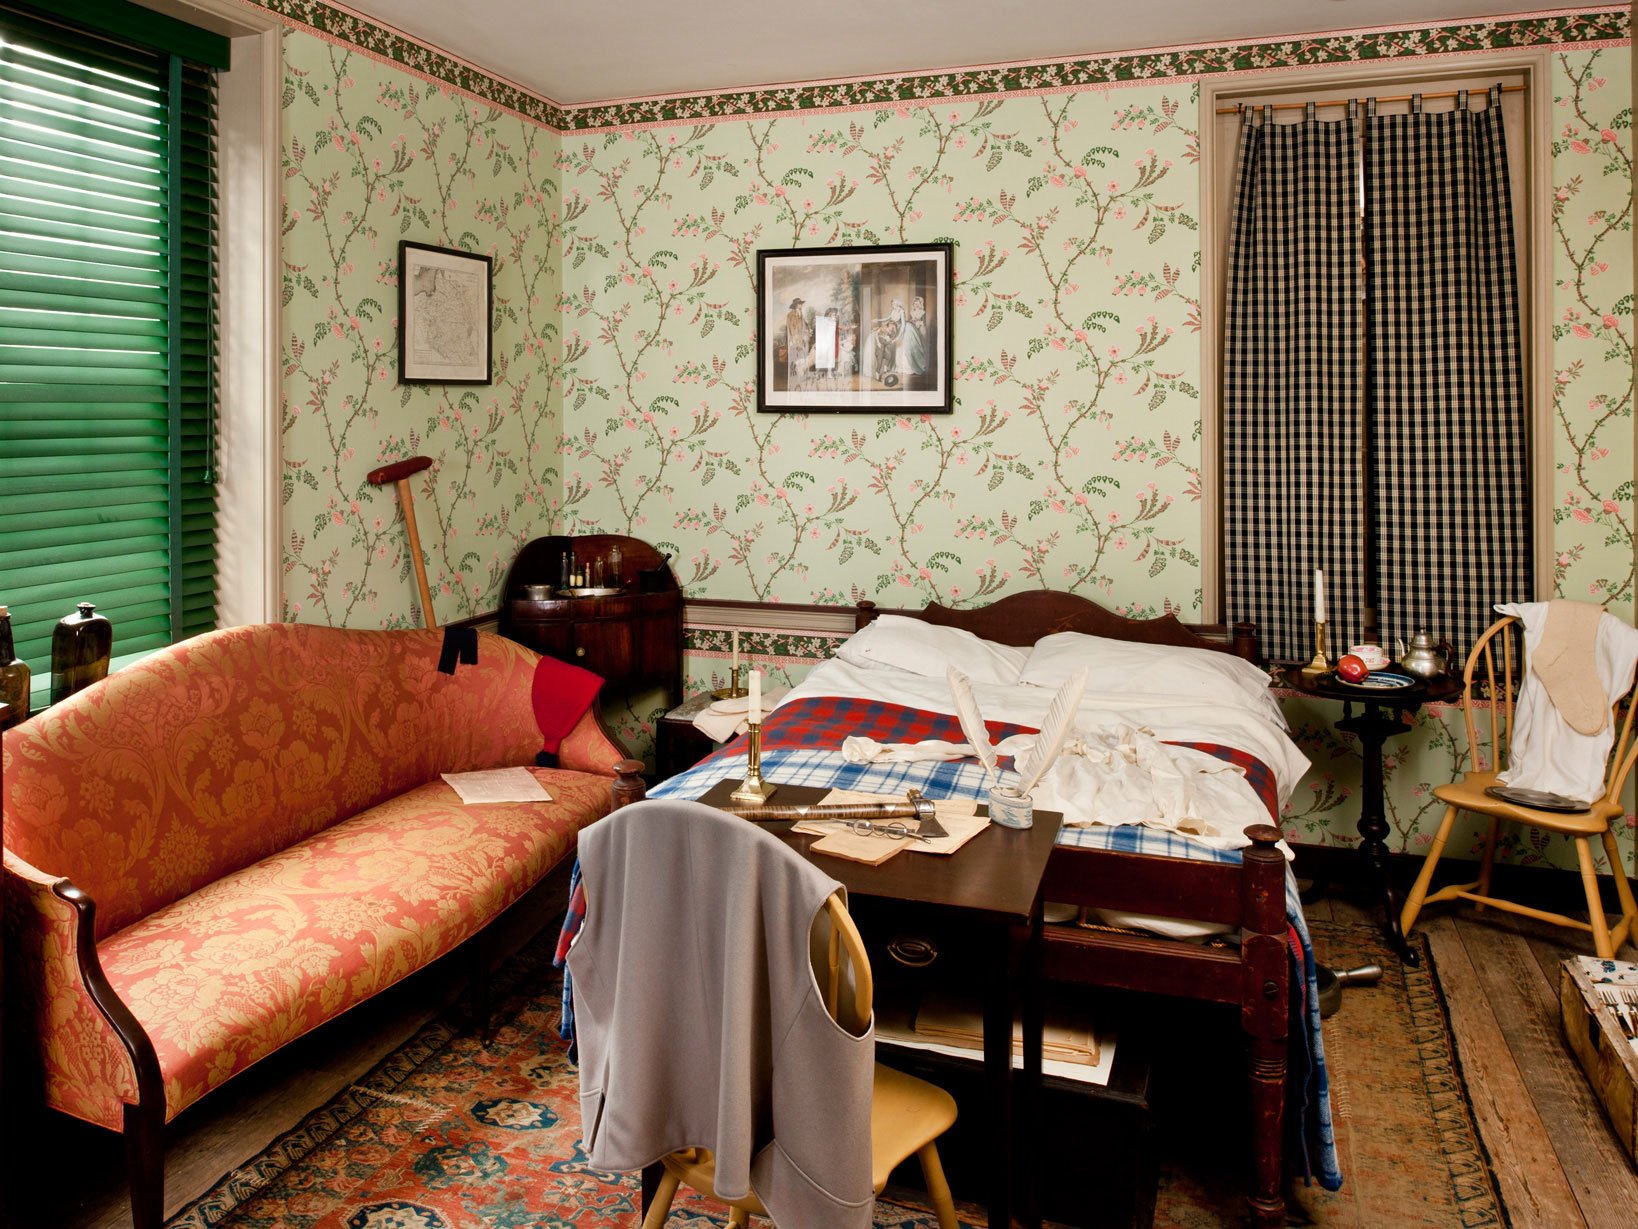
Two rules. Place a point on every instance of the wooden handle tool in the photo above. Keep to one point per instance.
(399, 472)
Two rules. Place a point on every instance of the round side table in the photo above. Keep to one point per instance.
(1382, 715)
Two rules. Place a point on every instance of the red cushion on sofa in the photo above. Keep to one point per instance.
(561, 694)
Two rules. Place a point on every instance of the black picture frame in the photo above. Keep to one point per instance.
(877, 329)
(446, 333)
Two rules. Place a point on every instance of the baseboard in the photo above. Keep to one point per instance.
(1545, 887)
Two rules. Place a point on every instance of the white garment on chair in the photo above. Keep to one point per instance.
(1546, 753)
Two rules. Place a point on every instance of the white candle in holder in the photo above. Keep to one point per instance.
(755, 715)
(736, 650)
(1319, 595)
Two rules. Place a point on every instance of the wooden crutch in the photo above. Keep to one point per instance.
(399, 472)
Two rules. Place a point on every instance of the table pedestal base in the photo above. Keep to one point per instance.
(1375, 726)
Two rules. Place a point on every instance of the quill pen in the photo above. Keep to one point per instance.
(1055, 729)
(972, 723)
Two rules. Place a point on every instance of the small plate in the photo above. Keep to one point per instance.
(1537, 799)
(1382, 680)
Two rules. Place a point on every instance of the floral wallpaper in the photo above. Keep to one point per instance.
(373, 155)
(625, 395)
(1072, 459)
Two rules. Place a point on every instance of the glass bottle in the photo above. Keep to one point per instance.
(81, 644)
(566, 569)
(615, 560)
(14, 674)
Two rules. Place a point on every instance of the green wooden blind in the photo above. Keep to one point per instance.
(107, 336)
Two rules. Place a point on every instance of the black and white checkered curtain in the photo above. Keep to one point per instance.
(1291, 384)
(1446, 386)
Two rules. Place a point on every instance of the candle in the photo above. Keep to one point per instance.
(736, 650)
(755, 715)
(1319, 596)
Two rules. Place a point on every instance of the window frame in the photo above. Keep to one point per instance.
(1426, 75)
(250, 438)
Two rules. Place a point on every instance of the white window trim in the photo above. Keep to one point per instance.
(250, 445)
(1377, 78)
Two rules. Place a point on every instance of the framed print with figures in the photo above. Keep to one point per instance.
(855, 329)
(445, 321)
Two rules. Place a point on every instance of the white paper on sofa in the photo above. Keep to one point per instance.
(497, 785)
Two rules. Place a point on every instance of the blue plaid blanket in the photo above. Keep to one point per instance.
(825, 767)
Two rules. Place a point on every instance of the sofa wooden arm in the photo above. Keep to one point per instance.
(591, 746)
(98, 1057)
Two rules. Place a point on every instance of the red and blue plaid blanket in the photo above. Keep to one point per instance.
(824, 721)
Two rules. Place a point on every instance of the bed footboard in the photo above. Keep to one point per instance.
(1257, 977)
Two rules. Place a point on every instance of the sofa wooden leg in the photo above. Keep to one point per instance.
(145, 1163)
(480, 959)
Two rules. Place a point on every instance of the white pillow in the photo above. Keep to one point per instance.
(1150, 669)
(902, 643)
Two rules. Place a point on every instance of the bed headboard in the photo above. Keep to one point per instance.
(1023, 618)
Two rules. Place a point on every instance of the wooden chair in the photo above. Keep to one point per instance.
(907, 1115)
(1502, 641)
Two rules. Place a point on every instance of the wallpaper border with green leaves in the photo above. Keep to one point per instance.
(1590, 27)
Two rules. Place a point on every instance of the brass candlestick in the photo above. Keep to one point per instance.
(753, 788)
(733, 691)
(1321, 664)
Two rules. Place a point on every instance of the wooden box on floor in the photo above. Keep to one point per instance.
(1608, 1059)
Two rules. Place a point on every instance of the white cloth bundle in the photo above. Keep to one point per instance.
(1123, 774)
(860, 750)
(728, 719)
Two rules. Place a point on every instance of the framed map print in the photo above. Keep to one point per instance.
(445, 322)
(855, 328)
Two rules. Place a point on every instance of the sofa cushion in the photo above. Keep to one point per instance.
(217, 752)
(228, 974)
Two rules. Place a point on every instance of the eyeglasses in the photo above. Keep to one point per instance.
(894, 830)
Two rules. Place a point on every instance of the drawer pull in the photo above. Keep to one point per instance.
(581, 651)
(913, 951)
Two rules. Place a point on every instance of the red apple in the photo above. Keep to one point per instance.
(1352, 669)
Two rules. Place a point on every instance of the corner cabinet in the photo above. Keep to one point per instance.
(633, 638)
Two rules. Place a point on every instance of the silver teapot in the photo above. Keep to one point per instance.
(1423, 659)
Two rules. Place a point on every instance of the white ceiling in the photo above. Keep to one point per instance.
(601, 50)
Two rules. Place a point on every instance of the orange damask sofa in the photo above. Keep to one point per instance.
(212, 852)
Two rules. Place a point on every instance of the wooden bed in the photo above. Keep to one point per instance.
(1251, 896)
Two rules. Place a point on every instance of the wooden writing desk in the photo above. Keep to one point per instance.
(988, 894)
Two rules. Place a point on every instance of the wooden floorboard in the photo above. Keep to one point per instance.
(1525, 1004)
(1533, 1185)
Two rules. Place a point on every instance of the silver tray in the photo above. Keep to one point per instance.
(589, 592)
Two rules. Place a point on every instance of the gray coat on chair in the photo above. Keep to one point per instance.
(699, 1019)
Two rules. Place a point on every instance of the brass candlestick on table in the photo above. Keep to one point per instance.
(731, 692)
(754, 788)
(1321, 664)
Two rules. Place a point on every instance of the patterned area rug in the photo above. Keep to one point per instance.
(448, 1133)
(1407, 1142)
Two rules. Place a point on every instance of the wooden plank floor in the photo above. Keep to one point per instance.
(1557, 1160)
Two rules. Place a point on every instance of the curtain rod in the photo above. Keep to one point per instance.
(1343, 102)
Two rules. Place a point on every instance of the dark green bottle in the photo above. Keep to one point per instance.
(81, 645)
(14, 675)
